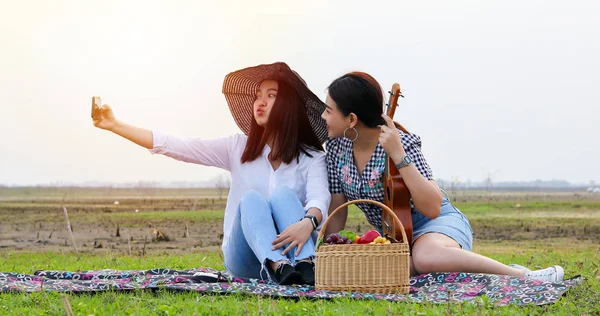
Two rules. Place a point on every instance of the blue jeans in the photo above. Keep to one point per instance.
(256, 225)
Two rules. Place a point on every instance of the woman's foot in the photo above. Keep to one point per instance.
(553, 274)
(285, 274)
(307, 272)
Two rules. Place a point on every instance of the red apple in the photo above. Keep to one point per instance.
(368, 237)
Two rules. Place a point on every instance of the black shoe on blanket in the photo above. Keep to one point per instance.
(307, 272)
(286, 275)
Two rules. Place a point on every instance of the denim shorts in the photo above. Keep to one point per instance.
(451, 222)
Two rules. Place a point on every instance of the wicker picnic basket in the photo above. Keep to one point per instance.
(367, 268)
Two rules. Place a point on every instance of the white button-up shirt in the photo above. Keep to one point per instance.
(307, 176)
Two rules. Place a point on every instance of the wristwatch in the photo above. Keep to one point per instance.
(406, 160)
(313, 220)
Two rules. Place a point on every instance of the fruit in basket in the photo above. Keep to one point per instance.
(332, 238)
(349, 235)
(380, 241)
(337, 239)
(368, 237)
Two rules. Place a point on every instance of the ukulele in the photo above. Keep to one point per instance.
(396, 194)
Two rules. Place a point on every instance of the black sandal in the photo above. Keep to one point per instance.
(285, 274)
(307, 272)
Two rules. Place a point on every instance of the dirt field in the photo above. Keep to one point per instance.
(126, 220)
(39, 224)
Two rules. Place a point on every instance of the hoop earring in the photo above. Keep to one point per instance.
(355, 131)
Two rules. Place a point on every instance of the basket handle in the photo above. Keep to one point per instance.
(384, 208)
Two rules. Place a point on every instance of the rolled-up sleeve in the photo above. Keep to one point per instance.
(207, 152)
(412, 147)
(317, 188)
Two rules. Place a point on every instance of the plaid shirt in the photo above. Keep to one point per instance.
(345, 179)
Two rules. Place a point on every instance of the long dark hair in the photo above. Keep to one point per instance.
(359, 93)
(288, 128)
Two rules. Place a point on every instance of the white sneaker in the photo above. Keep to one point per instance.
(553, 274)
(518, 266)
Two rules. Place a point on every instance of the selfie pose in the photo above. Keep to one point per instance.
(279, 191)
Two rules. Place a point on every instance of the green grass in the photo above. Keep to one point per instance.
(576, 260)
(528, 206)
(199, 215)
(24, 262)
(537, 234)
(122, 216)
(77, 192)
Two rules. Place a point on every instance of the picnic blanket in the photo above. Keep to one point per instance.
(432, 287)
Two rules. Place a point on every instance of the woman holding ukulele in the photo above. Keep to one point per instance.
(361, 135)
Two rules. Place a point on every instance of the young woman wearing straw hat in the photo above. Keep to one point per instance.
(278, 195)
(360, 138)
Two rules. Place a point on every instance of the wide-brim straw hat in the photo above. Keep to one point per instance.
(239, 88)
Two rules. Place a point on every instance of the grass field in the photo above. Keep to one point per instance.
(533, 230)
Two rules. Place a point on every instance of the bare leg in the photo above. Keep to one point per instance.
(435, 252)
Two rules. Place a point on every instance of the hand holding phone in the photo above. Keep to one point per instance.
(102, 115)
(96, 103)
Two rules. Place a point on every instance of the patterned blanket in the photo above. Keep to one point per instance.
(433, 287)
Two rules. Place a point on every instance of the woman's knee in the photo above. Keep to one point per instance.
(428, 252)
(254, 199)
(282, 196)
(252, 196)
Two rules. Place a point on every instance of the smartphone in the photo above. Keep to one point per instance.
(96, 103)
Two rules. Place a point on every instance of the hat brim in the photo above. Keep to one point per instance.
(239, 88)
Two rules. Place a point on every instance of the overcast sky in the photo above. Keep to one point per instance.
(503, 87)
